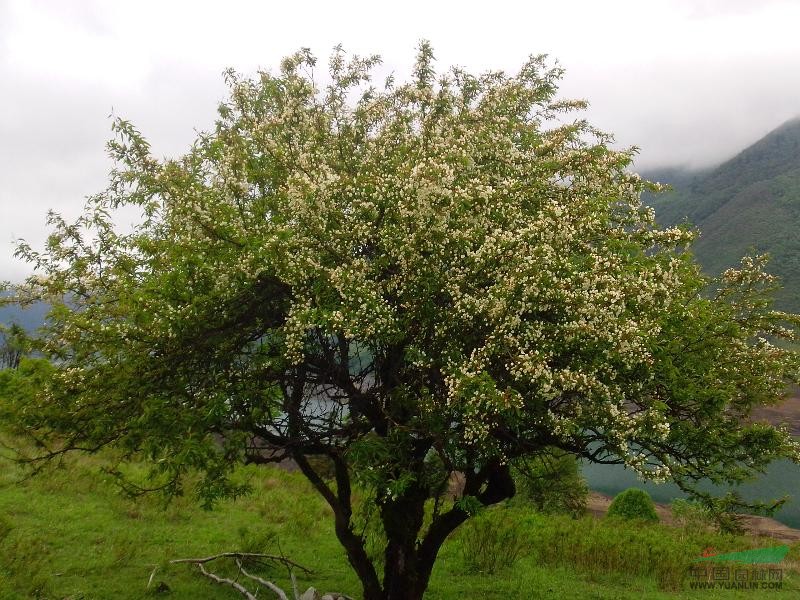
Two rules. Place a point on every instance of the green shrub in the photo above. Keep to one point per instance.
(633, 503)
(367, 521)
(552, 482)
(491, 542)
(691, 514)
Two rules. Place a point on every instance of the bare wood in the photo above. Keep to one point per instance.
(238, 557)
(268, 584)
(237, 586)
(242, 555)
(152, 575)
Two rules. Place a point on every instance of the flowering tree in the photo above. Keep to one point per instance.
(431, 278)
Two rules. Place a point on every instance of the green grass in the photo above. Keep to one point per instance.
(69, 534)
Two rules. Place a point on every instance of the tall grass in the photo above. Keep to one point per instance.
(625, 548)
(70, 534)
(490, 544)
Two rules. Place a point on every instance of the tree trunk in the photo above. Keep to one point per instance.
(409, 563)
(402, 519)
(402, 578)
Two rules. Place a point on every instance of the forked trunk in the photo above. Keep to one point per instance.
(403, 580)
(402, 520)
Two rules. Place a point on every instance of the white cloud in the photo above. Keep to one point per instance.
(689, 82)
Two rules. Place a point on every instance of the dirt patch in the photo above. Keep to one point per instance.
(787, 412)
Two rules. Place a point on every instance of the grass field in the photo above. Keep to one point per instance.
(69, 534)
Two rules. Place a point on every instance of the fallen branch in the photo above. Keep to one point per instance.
(243, 555)
(235, 585)
(268, 584)
(240, 558)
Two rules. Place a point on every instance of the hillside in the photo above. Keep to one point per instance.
(31, 318)
(751, 202)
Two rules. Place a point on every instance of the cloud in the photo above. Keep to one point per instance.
(688, 82)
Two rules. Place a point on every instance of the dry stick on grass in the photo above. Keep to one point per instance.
(238, 557)
(268, 584)
(243, 555)
(235, 585)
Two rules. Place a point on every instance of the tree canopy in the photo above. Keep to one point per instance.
(13, 345)
(412, 280)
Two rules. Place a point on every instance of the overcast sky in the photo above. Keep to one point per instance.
(689, 82)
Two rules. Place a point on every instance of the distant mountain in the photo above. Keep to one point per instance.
(31, 318)
(751, 202)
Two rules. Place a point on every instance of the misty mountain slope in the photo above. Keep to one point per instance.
(31, 318)
(751, 202)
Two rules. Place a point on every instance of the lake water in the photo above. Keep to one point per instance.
(781, 479)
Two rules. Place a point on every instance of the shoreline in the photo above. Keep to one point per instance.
(786, 412)
(597, 505)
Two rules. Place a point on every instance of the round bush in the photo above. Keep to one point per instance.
(633, 503)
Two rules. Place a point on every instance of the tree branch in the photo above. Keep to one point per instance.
(224, 581)
(268, 584)
(243, 555)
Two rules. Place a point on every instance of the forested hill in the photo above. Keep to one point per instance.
(750, 202)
